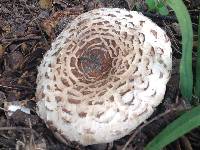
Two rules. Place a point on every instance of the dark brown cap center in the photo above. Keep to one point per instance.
(95, 63)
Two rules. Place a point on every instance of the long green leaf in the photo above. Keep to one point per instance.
(176, 129)
(151, 4)
(197, 82)
(186, 77)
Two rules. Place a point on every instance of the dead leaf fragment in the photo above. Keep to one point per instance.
(45, 4)
(2, 50)
(59, 18)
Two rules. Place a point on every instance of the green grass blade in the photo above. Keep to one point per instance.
(197, 82)
(186, 77)
(176, 129)
(151, 4)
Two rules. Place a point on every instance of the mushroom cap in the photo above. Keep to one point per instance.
(103, 76)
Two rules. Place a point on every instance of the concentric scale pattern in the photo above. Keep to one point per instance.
(103, 76)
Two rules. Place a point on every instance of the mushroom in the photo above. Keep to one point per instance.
(103, 76)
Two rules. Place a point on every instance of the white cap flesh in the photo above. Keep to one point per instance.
(103, 76)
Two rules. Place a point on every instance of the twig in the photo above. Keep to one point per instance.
(160, 17)
(149, 122)
(16, 87)
(39, 27)
(32, 139)
(21, 39)
(14, 128)
(3, 109)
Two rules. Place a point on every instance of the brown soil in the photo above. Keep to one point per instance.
(26, 31)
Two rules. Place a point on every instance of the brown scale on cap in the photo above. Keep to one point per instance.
(103, 75)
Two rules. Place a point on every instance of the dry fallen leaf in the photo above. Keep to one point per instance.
(45, 4)
(2, 50)
(131, 3)
(176, 28)
(59, 18)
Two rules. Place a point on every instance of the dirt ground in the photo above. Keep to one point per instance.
(27, 27)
